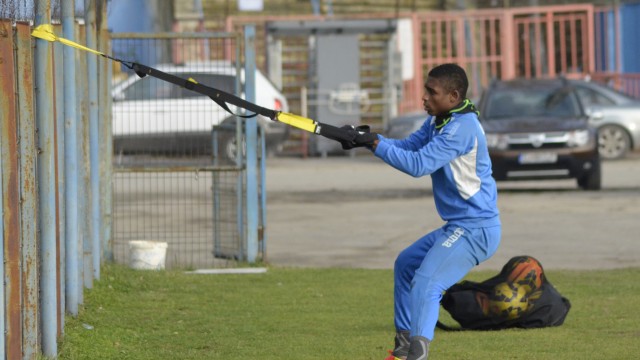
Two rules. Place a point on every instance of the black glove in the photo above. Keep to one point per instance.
(351, 134)
(359, 136)
(365, 137)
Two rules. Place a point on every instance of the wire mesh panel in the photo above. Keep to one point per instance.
(195, 212)
(179, 174)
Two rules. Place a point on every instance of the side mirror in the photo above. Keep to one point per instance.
(594, 113)
(118, 97)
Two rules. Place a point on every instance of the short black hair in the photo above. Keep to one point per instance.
(453, 77)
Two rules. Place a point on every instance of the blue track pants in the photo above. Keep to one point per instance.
(431, 265)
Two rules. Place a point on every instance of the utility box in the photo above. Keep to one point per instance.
(346, 80)
(338, 85)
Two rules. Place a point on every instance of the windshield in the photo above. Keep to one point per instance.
(531, 102)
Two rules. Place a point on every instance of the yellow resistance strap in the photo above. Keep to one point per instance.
(45, 32)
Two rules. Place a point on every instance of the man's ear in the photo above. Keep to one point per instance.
(454, 96)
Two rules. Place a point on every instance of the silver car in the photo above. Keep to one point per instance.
(154, 116)
(615, 115)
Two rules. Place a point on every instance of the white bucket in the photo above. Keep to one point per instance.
(147, 255)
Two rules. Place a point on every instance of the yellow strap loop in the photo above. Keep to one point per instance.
(45, 32)
(297, 121)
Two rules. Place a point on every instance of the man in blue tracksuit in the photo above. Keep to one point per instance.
(451, 147)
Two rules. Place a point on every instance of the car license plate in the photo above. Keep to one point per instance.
(538, 158)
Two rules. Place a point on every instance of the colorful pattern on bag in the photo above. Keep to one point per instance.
(519, 296)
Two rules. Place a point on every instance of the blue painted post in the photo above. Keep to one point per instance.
(106, 150)
(263, 194)
(84, 198)
(94, 140)
(611, 43)
(251, 135)
(47, 186)
(59, 98)
(239, 163)
(315, 5)
(71, 161)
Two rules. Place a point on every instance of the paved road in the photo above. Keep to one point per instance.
(359, 212)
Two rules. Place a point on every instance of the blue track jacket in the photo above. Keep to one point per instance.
(457, 158)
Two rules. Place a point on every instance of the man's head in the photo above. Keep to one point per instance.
(446, 87)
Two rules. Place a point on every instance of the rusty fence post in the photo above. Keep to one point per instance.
(2, 303)
(10, 195)
(28, 190)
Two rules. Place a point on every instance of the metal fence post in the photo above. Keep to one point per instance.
(7, 111)
(10, 195)
(94, 140)
(59, 143)
(263, 194)
(46, 181)
(251, 135)
(106, 137)
(28, 191)
(84, 198)
(71, 161)
(240, 161)
(2, 303)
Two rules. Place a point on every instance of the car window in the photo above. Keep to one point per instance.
(532, 101)
(591, 97)
(615, 95)
(149, 88)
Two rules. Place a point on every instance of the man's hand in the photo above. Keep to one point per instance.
(351, 133)
(360, 136)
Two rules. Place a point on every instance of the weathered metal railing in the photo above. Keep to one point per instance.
(54, 212)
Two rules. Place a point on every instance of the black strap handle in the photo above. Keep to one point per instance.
(221, 98)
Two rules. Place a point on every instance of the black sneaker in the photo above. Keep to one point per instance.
(401, 349)
(418, 348)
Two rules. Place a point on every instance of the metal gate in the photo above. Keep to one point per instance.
(178, 175)
(517, 42)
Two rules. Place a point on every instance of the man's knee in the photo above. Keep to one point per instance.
(403, 262)
(427, 287)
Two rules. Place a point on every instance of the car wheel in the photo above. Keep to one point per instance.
(592, 180)
(229, 147)
(613, 142)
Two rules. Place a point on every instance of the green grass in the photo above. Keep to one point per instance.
(326, 314)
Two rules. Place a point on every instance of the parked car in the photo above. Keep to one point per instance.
(614, 114)
(404, 125)
(157, 117)
(536, 129)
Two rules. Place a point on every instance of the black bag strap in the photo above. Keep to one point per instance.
(442, 326)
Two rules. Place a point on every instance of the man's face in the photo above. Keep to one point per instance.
(437, 100)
